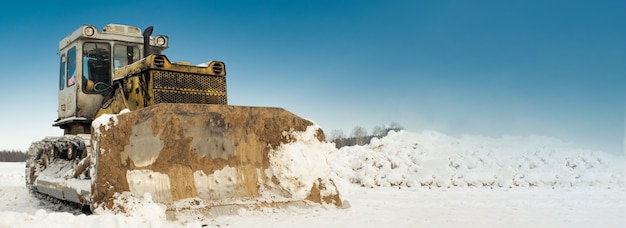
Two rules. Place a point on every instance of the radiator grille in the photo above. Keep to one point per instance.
(171, 96)
(177, 87)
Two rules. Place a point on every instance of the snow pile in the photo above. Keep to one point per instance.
(299, 164)
(145, 207)
(431, 159)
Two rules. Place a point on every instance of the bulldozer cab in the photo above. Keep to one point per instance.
(88, 61)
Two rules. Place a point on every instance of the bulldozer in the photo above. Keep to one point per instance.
(136, 123)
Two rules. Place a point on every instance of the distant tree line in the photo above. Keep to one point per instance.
(359, 135)
(12, 156)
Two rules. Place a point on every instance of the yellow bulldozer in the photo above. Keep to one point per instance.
(136, 123)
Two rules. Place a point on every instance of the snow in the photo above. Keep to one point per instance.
(57, 173)
(106, 121)
(431, 159)
(405, 179)
(296, 165)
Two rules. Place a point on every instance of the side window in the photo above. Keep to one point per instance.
(124, 55)
(96, 67)
(71, 67)
(62, 72)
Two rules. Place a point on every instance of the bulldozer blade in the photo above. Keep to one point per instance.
(201, 154)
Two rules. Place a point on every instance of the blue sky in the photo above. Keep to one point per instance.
(551, 68)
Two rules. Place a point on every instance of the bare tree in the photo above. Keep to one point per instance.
(359, 134)
(394, 126)
(378, 131)
(336, 134)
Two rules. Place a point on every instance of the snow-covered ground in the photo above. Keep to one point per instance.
(406, 179)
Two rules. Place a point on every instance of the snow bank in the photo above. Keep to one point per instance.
(432, 159)
(299, 164)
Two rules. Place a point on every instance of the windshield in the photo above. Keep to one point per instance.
(96, 67)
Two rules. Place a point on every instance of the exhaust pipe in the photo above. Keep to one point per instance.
(146, 40)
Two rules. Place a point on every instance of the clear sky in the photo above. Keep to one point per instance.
(551, 68)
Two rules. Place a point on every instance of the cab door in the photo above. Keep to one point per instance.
(67, 83)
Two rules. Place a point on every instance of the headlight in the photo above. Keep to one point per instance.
(89, 31)
(160, 41)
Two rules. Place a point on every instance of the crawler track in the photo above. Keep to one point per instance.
(68, 149)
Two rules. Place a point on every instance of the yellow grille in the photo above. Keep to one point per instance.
(178, 87)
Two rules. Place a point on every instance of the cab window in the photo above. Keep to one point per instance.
(96, 67)
(71, 67)
(62, 72)
(124, 55)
